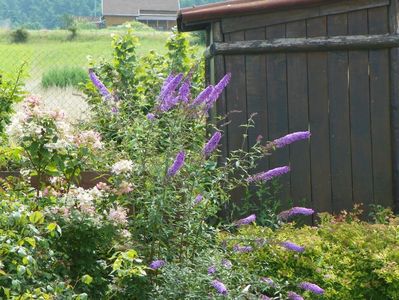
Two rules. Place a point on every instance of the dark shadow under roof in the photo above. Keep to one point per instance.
(198, 18)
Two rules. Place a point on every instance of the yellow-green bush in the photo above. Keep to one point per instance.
(349, 259)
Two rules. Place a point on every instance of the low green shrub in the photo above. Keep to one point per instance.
(20, 35)
(348, 258)
(63, 77)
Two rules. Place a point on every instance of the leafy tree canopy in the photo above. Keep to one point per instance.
(45, 13)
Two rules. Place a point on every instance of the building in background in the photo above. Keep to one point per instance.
(160, 14)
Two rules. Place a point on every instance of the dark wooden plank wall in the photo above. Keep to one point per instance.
(343, 97)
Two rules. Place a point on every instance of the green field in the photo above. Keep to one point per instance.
(46, 49)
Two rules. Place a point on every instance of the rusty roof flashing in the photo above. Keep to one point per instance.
(198, 18)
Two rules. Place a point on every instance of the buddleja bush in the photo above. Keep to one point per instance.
(169, 174)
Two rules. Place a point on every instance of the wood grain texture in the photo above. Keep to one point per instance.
(298, 118)
(278, 107)
(340, 134)
(319, 120)
(362, 170)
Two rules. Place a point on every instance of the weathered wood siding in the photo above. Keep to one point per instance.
(344, 97)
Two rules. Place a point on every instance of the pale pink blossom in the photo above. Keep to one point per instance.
(118, 215)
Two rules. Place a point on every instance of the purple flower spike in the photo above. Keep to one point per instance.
(151, 117)
(211, 270)
(268, 281)
(203, 96)
(294, 296)
(227, 264)
(248, 220)
(212, 143)
(184, 91)
(166, 82)
(156, 264)
(242, 249)
(99, 85)
(217, 91)
(314, 288)
(291, 138)
(219, 287)
(198, 199)
(177, 164)
(169, 102)
(170, 86)
(269, 175)
(295, 211)
(293, 247)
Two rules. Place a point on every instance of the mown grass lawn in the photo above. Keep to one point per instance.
(47, 49)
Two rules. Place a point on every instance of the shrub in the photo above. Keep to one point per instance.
(63, 77)
(19, 36)
(348, 258)
(135, 82)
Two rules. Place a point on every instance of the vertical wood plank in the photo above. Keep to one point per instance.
(297, 80)
(394, 72)
(319, 120)
(236, 95)
(380, 111)
(340, 141)
(236, 105)
(277, 107)
(362, 172)
(256, 93)
(218, 73)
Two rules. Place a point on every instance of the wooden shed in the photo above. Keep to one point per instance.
(330, 66)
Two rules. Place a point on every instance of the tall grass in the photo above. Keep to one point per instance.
(63, 77)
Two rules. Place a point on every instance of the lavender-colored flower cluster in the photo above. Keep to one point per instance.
(314, 288)
(168, 97)
(99, 85)
(151, 117)
(198, 199)
(219, 287)
(210, 94)
(184, 91)
(212, 143)
(177, 164)
(242, 249)
(202, 97)
(291, 138)
(217, 90)
(211, 270)
(294, 296)
(156, 264)
(248, 220)
(293, 247)
(227, 264)
(269, 175)
(295, 211)
(268, 281)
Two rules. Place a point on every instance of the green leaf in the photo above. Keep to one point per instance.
(87, 279)
(31, 241)
(51, 227)
(36, 217)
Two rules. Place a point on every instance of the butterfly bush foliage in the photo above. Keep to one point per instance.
(176, 182)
